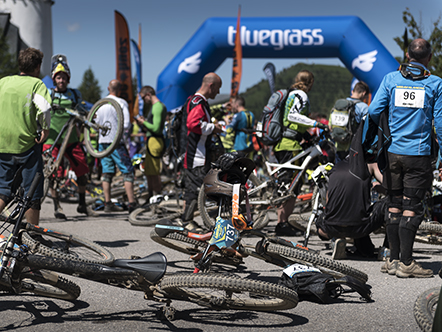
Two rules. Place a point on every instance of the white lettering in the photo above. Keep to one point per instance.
(276, 38)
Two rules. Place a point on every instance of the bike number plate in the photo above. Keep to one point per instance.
(224, 235)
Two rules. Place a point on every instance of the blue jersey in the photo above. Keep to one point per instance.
(412, 105)
(242, 120)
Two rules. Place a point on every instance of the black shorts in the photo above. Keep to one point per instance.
(413, 172)
(193, 181)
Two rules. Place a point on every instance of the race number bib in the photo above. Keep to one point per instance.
(413, 97)
(339, 118)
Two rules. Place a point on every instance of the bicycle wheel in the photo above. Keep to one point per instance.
(209, 209)
(322, 263)
(182, 243)
(179, 242)
(106, 129)
(425, 308)
(155, 214)
(229, 292)
(57, 244)
(49, 284)
(430, 233)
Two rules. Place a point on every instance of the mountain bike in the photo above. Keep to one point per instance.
(265, 195)
(87, 119)
(21, 271)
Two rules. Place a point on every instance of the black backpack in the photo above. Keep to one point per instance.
(342, 120)
(178, 130)
(318, 287)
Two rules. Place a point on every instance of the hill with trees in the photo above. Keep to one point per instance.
(331, 83)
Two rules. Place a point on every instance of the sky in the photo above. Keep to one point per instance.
(84, 30)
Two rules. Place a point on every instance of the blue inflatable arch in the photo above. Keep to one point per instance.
(345, 37)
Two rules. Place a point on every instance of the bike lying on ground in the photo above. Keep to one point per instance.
(225, 243)
(21, 270)
(86, 119)
(273, 192)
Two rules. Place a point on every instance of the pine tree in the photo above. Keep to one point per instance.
(89, 87)
(8, 62)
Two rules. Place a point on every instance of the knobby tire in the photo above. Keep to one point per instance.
(229, 292)
(425, 308)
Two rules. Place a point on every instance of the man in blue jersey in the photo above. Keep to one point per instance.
(242, 124)
(413, 98)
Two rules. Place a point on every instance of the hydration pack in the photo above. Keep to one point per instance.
(272, 118)
(342, 120)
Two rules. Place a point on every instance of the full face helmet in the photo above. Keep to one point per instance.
(59, 63)
(219, 183)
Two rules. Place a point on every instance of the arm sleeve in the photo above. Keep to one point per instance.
(301, 119)
(42, 101)
(196, 121)
(380, 101)
(155, 126)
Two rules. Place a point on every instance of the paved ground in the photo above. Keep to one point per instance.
(105, 308)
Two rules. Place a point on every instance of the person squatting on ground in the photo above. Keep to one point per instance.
(359, 95)
(349, 213)
(199, 136)
(154, 124)
(120, 156)
(414, 99)
(25, 106)
(242, 124)
(296, 122)
(66, 97)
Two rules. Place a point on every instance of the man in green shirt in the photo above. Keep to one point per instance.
(154, 123)
(25, 106)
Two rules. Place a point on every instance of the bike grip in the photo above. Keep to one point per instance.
(34, 185)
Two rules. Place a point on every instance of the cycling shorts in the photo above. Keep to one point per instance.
(118, 158)
(76, 157)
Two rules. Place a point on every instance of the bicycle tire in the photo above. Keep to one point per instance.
(324, 264)
(432, 233)
(154, 214)
(425, 308)
(93, 151)
(179, 242)
(70, 247)
(49, 284)
(182, 243)
(234, 293)
(209, 209)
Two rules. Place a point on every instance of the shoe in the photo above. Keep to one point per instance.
(132, 207)
(383, 254)
(59, 214)
(193, 227)
(339, 249)
(390, 267)
(87, 211)
(284, 229)
(413, 270)
(111, 207)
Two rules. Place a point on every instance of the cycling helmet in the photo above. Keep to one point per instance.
(60, 64)
(219, 183)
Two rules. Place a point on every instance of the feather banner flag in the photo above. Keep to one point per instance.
(122, 43)
(237, 59)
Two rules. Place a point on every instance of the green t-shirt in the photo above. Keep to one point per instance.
(24, 102)
(59, 117)
(155, 119)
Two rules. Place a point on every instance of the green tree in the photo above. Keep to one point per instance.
(89, 87)
(8, 62)
(417, 30)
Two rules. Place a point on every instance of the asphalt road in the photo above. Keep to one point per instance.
(105, 308)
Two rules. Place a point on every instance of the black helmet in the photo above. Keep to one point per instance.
(219, 183)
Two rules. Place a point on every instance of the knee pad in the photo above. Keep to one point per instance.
(395, 202)
(82, 180)
(128, 177)
(392, 218)
(35, 205)
(411, 223)
(107, 177)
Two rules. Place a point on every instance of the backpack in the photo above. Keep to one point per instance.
(342, 120)
(178, 130)
(272, 118)
(314, 286)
